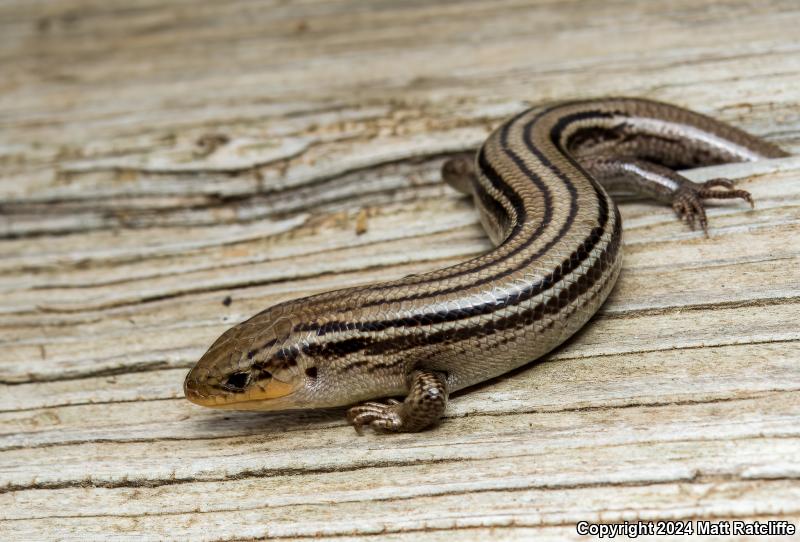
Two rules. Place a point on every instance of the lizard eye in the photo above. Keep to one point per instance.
(237, 381)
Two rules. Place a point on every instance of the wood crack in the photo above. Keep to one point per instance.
(336, 425)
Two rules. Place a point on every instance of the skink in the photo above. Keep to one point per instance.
(540, 185)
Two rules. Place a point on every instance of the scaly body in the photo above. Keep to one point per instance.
(538, 185)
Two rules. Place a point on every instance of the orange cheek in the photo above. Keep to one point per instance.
(274, 389)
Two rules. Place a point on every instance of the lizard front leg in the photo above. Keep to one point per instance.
(422, 408)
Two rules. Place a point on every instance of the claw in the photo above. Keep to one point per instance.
(700, 213)
(688, 204)
(379, 416)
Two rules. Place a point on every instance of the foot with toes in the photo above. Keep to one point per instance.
(688, 199)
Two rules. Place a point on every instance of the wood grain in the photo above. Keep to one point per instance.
(169, 168)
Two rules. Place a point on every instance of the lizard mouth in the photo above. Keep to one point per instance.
(257, 396)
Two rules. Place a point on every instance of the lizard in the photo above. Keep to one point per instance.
(541, 184)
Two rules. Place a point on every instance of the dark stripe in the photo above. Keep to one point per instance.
(532, 290)
(449, 315)
(287, 356)
(567, 266)
(337, 349)
(380, 347)
(558, 128)
(496, 181)
(517, 205)
(528, 316)
(499, 184)
(269, 344)
(496, 209)
(514, 201)
(525, 318)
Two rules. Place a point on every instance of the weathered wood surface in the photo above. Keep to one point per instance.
(156, 159)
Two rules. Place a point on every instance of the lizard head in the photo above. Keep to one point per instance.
(260, 364)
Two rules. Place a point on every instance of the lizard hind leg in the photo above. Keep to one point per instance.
(459, 172)
(422, 408)
(663, 184)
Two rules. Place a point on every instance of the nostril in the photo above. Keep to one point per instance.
(189, 385)
(193, 389)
